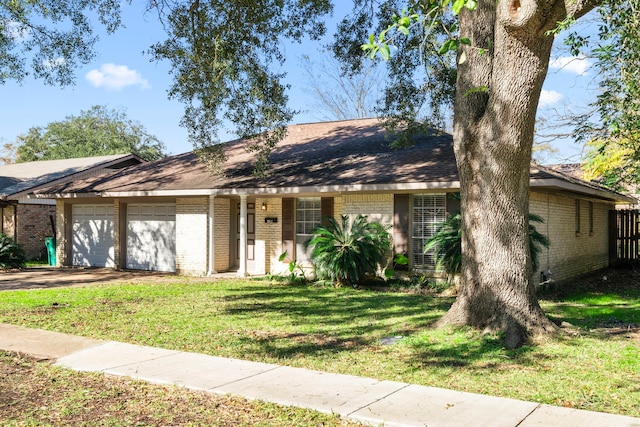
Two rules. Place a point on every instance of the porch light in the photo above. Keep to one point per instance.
(264, 206)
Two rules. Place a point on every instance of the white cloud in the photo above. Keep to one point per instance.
(549, 97)
(54, 63)
(573, 64)
(16, 31)
(116, 77)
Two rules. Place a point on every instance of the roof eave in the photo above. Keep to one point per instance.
(63, 195)
(582, 189)
(389, 187)
(28, 191)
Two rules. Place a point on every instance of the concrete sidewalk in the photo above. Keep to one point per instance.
(367, 400)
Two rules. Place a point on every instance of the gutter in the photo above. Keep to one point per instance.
(557, 183)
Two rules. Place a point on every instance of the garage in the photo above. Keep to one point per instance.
(151, 236)
(92, 235)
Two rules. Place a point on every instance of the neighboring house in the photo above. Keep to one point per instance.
(174, 215)
(28, 221)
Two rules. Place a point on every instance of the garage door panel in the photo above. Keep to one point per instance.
(92, 236)
(151, 231)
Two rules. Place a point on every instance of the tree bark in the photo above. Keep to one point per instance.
(497, 94)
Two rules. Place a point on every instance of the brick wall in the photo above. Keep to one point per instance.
(8, 221)
(221, 224)
(338, 207)
(33, 225)
(268, 237)
(63, 225)
(377, 207)
(571, 254)
(191, 235)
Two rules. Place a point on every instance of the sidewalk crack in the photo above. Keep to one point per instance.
(528, 415)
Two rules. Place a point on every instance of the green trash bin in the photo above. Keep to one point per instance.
(50, 243)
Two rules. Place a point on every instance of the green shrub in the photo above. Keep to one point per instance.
(11, 254)
(447, 243)
(346, 252)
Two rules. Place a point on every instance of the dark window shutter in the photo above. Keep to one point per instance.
(401, 203)
(326, 209)
(288, 228)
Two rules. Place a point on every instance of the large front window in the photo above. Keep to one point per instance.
(429, 210)
(308, 217)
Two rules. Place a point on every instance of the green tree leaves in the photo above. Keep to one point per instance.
(49, 39)
(225, 57)
(98, 131)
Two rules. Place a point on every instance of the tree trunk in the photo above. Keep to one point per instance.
(496, 100)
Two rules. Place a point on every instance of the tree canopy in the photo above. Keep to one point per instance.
(49, 39)
(95, 132)
(611, 127)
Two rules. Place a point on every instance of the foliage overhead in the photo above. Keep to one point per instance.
(340, 96)
(615, 163)
(611, 128)
(420, 94)
(96, 132)
(223, 55)
(49, 39)
(345, 252)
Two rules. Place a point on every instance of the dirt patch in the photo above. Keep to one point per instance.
(34, 393)
(622, 281)
(629, 331)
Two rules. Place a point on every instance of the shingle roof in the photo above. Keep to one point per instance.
(342, 153)
(20, 177)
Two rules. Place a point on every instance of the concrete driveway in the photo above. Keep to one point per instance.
(52, 277)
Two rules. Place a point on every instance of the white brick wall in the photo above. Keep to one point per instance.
(221, 226)
(377, 207)
(62, 224)
(571, 254)
(268, 237)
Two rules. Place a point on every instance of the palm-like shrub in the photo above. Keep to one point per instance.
(447, 243)
(346, 252)
(11, 254)
(537, 240)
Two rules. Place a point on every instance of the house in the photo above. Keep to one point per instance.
(27, 220)
(175, 215)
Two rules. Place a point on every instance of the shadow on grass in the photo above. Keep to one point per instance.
(331, 320)
(608, 298)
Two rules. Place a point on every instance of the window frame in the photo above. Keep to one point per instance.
(310, 208)
(435, 212)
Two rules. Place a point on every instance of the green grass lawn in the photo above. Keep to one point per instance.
(339, 330)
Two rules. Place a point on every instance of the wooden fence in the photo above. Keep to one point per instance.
(624, 236)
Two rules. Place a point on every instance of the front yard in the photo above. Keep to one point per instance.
(595, 367)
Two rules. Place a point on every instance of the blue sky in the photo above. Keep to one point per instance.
(122, 76)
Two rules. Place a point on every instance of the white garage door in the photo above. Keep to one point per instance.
(151, 236)
(92, 238)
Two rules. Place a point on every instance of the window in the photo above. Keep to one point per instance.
(591, 218)
(428, 211)
(308, 217)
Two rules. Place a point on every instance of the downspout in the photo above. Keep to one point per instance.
(211, 261)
